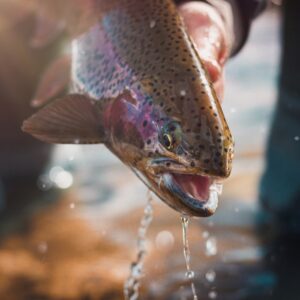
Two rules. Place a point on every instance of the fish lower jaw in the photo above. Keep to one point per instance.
(192, 195)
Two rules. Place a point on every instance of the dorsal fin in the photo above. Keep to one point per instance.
(54, 81)
(74, 119)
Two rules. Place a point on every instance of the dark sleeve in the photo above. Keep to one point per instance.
(238, 17)
(244, 12)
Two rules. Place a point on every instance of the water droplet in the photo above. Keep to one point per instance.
(212, 295)
(190, 275)
(148, 209)
(164, 240)
(44, 183)
(205, 234)
(64, 180)
(72, 205)
(211, 247)
(152, 23)
(43, 247)
(182, 93)
(76, 141)
(237, 210)
(219, 188)
(211, 224)
(60, 177)
(233, 110)
(263, 129)
(297, 138)
(54, 172)
(210, 276)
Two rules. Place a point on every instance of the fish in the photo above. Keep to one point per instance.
(139, 87)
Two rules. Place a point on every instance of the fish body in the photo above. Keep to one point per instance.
(139, 87)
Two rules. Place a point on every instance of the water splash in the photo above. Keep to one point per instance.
(132, 284)
(187, 255)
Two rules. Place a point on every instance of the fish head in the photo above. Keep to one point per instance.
(178, 144)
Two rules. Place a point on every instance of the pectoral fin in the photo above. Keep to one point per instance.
(74, 119)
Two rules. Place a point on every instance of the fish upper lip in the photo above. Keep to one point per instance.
(159, 167)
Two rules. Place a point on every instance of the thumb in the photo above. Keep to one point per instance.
(207, 30)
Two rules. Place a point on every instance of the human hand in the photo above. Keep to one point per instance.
(208, 31)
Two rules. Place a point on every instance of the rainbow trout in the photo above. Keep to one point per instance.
(139, 87)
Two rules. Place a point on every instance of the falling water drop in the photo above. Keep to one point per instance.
(212, 295)
(210, 275)
(132, 284)
(43, 247)
(44, 183)
(205, 234)
(187, 254)
(164, 240)
(211, 246)
(152, 24)
(183, 93)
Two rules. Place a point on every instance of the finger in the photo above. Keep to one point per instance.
(219, 87)
(207, 29)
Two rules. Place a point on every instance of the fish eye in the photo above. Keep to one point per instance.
(167, 141)
(171, 135)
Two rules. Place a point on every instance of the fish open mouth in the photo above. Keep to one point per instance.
(197, 194)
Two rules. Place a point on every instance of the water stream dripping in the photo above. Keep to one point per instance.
(132, 284)
(190, 275)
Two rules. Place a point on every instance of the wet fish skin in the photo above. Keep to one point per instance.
(149, 98)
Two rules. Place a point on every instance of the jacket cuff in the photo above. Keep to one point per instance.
(243, 13)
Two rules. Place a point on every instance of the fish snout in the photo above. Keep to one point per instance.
(216, 162)
(223, 162)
